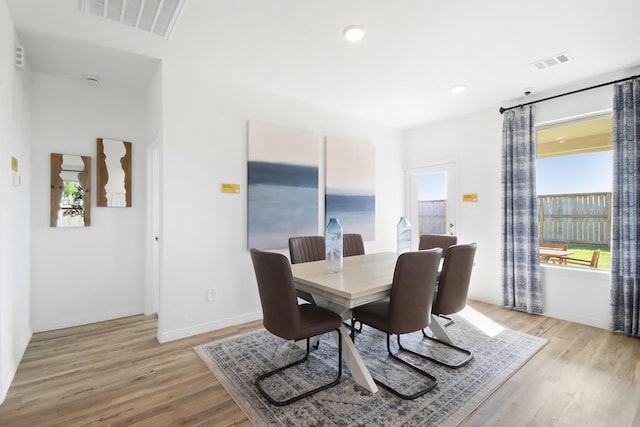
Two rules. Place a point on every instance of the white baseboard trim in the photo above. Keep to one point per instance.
(576, 318)
(5, 383)
(23, 345)
(85, 320)
(207, 327)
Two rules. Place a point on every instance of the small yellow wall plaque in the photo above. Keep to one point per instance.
(14, 164)
(231, 188)
(470, 197)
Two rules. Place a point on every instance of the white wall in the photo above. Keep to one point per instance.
(15, 327)
(87, 274)
(578, 295)
(204, 237)
(474, 142)
(571, 293)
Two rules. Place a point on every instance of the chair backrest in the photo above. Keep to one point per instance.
(444, 241)
(412, 290)
(277, 293)
(453, 284)
(306, 249)
(595, 257)
(352, 244)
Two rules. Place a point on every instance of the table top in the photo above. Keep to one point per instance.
(555, 252)
(363, 279)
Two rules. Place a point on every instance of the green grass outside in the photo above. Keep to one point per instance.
(586, 251)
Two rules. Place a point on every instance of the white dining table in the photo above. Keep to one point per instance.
(363, 279)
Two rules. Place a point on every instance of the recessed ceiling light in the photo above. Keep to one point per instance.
(353, 33)
(458, 89)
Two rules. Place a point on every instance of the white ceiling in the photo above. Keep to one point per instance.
(399, 74)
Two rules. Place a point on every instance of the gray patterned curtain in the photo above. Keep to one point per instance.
(625, 233)
(521, 287)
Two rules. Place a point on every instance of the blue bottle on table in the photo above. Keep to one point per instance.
(333, 245)
(404, 235)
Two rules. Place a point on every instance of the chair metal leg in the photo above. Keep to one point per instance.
(419, 393)
(449, 322)
(438, 330)
(305, 394)
(448, 319)
(443, 363)
(353, 328)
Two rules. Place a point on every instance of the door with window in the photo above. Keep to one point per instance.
(431, 200)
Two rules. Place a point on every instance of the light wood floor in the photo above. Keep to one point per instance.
(115, 373)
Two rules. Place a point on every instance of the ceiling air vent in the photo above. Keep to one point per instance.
(153, 16)
(558, 59)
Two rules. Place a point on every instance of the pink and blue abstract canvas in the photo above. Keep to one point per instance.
(282, 185)
(350, 193)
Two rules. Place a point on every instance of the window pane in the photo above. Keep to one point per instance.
(574, 180)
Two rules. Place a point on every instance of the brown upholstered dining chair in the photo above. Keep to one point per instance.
(451, 295)
(283, 317)
(444, 241)
(408, 308)
(306, 249)
(352, 244)
(429, 241)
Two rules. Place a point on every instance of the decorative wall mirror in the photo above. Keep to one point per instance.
(70, 190)
(114, 173)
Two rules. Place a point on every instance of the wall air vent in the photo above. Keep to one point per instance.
(551, 61)
(153, 16)
(19, 60)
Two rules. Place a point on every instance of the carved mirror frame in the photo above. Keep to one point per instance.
(58, 212)
(113, 173)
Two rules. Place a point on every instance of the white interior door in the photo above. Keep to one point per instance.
(432, 200)
(153, 281)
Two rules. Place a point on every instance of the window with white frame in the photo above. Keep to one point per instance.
(574, 173)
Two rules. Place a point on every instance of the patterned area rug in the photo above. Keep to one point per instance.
(498, 354)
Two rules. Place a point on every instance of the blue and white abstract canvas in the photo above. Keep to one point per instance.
(282, 185)
(350, 193)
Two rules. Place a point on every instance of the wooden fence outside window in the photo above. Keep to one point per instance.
(575, 218)
(432, 216)
(567, 218)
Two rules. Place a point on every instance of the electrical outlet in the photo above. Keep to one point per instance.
(211, 294)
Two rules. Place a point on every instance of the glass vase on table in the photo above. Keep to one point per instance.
(333, 245)
(404, 235)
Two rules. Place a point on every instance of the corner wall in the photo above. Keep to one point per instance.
(204, 237)
(15, 325)
(86, 274)
(475, 139)
(474, 142)
(153, 158)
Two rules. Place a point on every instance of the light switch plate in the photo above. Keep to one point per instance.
(230, 188)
